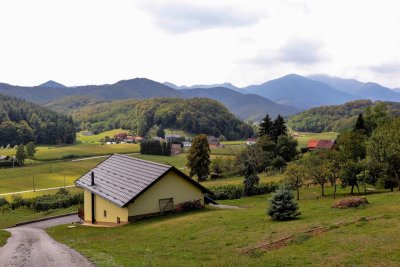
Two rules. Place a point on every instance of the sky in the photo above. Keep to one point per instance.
(79, 42)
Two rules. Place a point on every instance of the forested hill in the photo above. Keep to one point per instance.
(23, 122)
(337, 117)
(195, 115)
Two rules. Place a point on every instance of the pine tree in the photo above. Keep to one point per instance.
(282, 206)
(360, 124)
(266, 126)
(250, 177)
(199, 158)
(279, 128)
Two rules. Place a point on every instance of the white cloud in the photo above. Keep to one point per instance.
(195, 42)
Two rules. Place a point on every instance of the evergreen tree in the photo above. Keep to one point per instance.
(279, 128)
(199, 158)
(360, 124)
(282, 206)
(160, 132)
(250, 176)
(20, 155)
(30, 150)
(266, 126)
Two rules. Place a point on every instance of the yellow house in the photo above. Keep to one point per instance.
(122, 189)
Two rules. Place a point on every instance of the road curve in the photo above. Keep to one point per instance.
(30, 245)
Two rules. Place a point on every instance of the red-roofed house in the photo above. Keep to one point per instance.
(320, 144)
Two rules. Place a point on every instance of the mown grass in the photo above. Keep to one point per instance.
(4, 235)
(45, 175)
(215, 237)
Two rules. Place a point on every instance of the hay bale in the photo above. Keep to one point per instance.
(351, 202)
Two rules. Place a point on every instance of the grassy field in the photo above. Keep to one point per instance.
(46, 175)
(95, 138)
(215, 237)
(304, 137)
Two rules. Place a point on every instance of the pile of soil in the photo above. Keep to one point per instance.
(351, 202)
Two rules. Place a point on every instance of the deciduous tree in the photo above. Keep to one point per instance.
(199, 158)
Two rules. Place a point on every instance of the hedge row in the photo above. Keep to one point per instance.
(47, 202)
(221, 192)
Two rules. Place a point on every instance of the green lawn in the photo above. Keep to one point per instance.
(216, 237)
(4, 235)
(9, 219)
(46, 175)
(304, 137)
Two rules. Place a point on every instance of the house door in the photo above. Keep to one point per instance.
(166, 204)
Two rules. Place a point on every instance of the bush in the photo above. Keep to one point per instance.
(282, 206)
(235, 191)
(3, 202)
(189, 206)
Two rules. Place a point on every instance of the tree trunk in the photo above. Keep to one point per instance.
(334, 192)
(352, 189)
(358, 188)
(322, 192)
(298, 194)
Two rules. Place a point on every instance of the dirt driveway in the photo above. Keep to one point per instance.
(30, 245)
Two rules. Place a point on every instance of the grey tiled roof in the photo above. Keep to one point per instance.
(121, 178)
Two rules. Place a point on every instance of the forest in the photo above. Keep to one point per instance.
(196, 115)
(24, 122)
(336, 118)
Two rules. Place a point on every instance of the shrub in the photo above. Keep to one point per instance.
(189, 206)
(3, 202)
(282, 206)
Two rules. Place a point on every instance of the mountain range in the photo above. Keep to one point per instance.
(286, 95)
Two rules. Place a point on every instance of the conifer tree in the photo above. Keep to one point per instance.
(282, 206)
(199, 158)
(279, 127)
(360, 124)
(266, 126)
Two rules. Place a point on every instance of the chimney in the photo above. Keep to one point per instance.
(92, 184)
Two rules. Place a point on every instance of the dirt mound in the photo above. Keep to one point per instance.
(351, 202)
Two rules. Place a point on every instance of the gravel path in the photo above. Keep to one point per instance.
(30, 245)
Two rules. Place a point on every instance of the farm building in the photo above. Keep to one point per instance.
(214, 142)
(122, 189)
(320, 144)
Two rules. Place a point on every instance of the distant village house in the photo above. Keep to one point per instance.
(315, 144)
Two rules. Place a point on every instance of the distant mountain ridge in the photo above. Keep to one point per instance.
(52, 84)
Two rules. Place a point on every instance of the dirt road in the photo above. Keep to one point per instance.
(30, 245)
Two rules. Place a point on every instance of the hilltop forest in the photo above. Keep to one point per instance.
(195, 115)
(23, 122)
(336, 118)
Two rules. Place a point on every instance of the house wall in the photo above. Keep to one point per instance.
(101, 204)
(170, 186)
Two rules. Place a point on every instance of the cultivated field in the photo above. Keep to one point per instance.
(241, 237)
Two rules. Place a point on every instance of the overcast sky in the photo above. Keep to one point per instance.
(77, 42)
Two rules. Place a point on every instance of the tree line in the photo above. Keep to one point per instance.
(24, 122)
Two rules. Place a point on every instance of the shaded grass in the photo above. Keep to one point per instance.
(12, 217)
(4, 235)
(216, 237)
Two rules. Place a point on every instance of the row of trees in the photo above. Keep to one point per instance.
(155, 147)
(369, 154)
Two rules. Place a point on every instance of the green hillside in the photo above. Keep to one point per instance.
(23, 122)
(335, 118)
(196, 115)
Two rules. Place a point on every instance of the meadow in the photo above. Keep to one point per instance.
(242, 237)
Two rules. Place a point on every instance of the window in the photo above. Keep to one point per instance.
(105, 213)
(166, 204)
